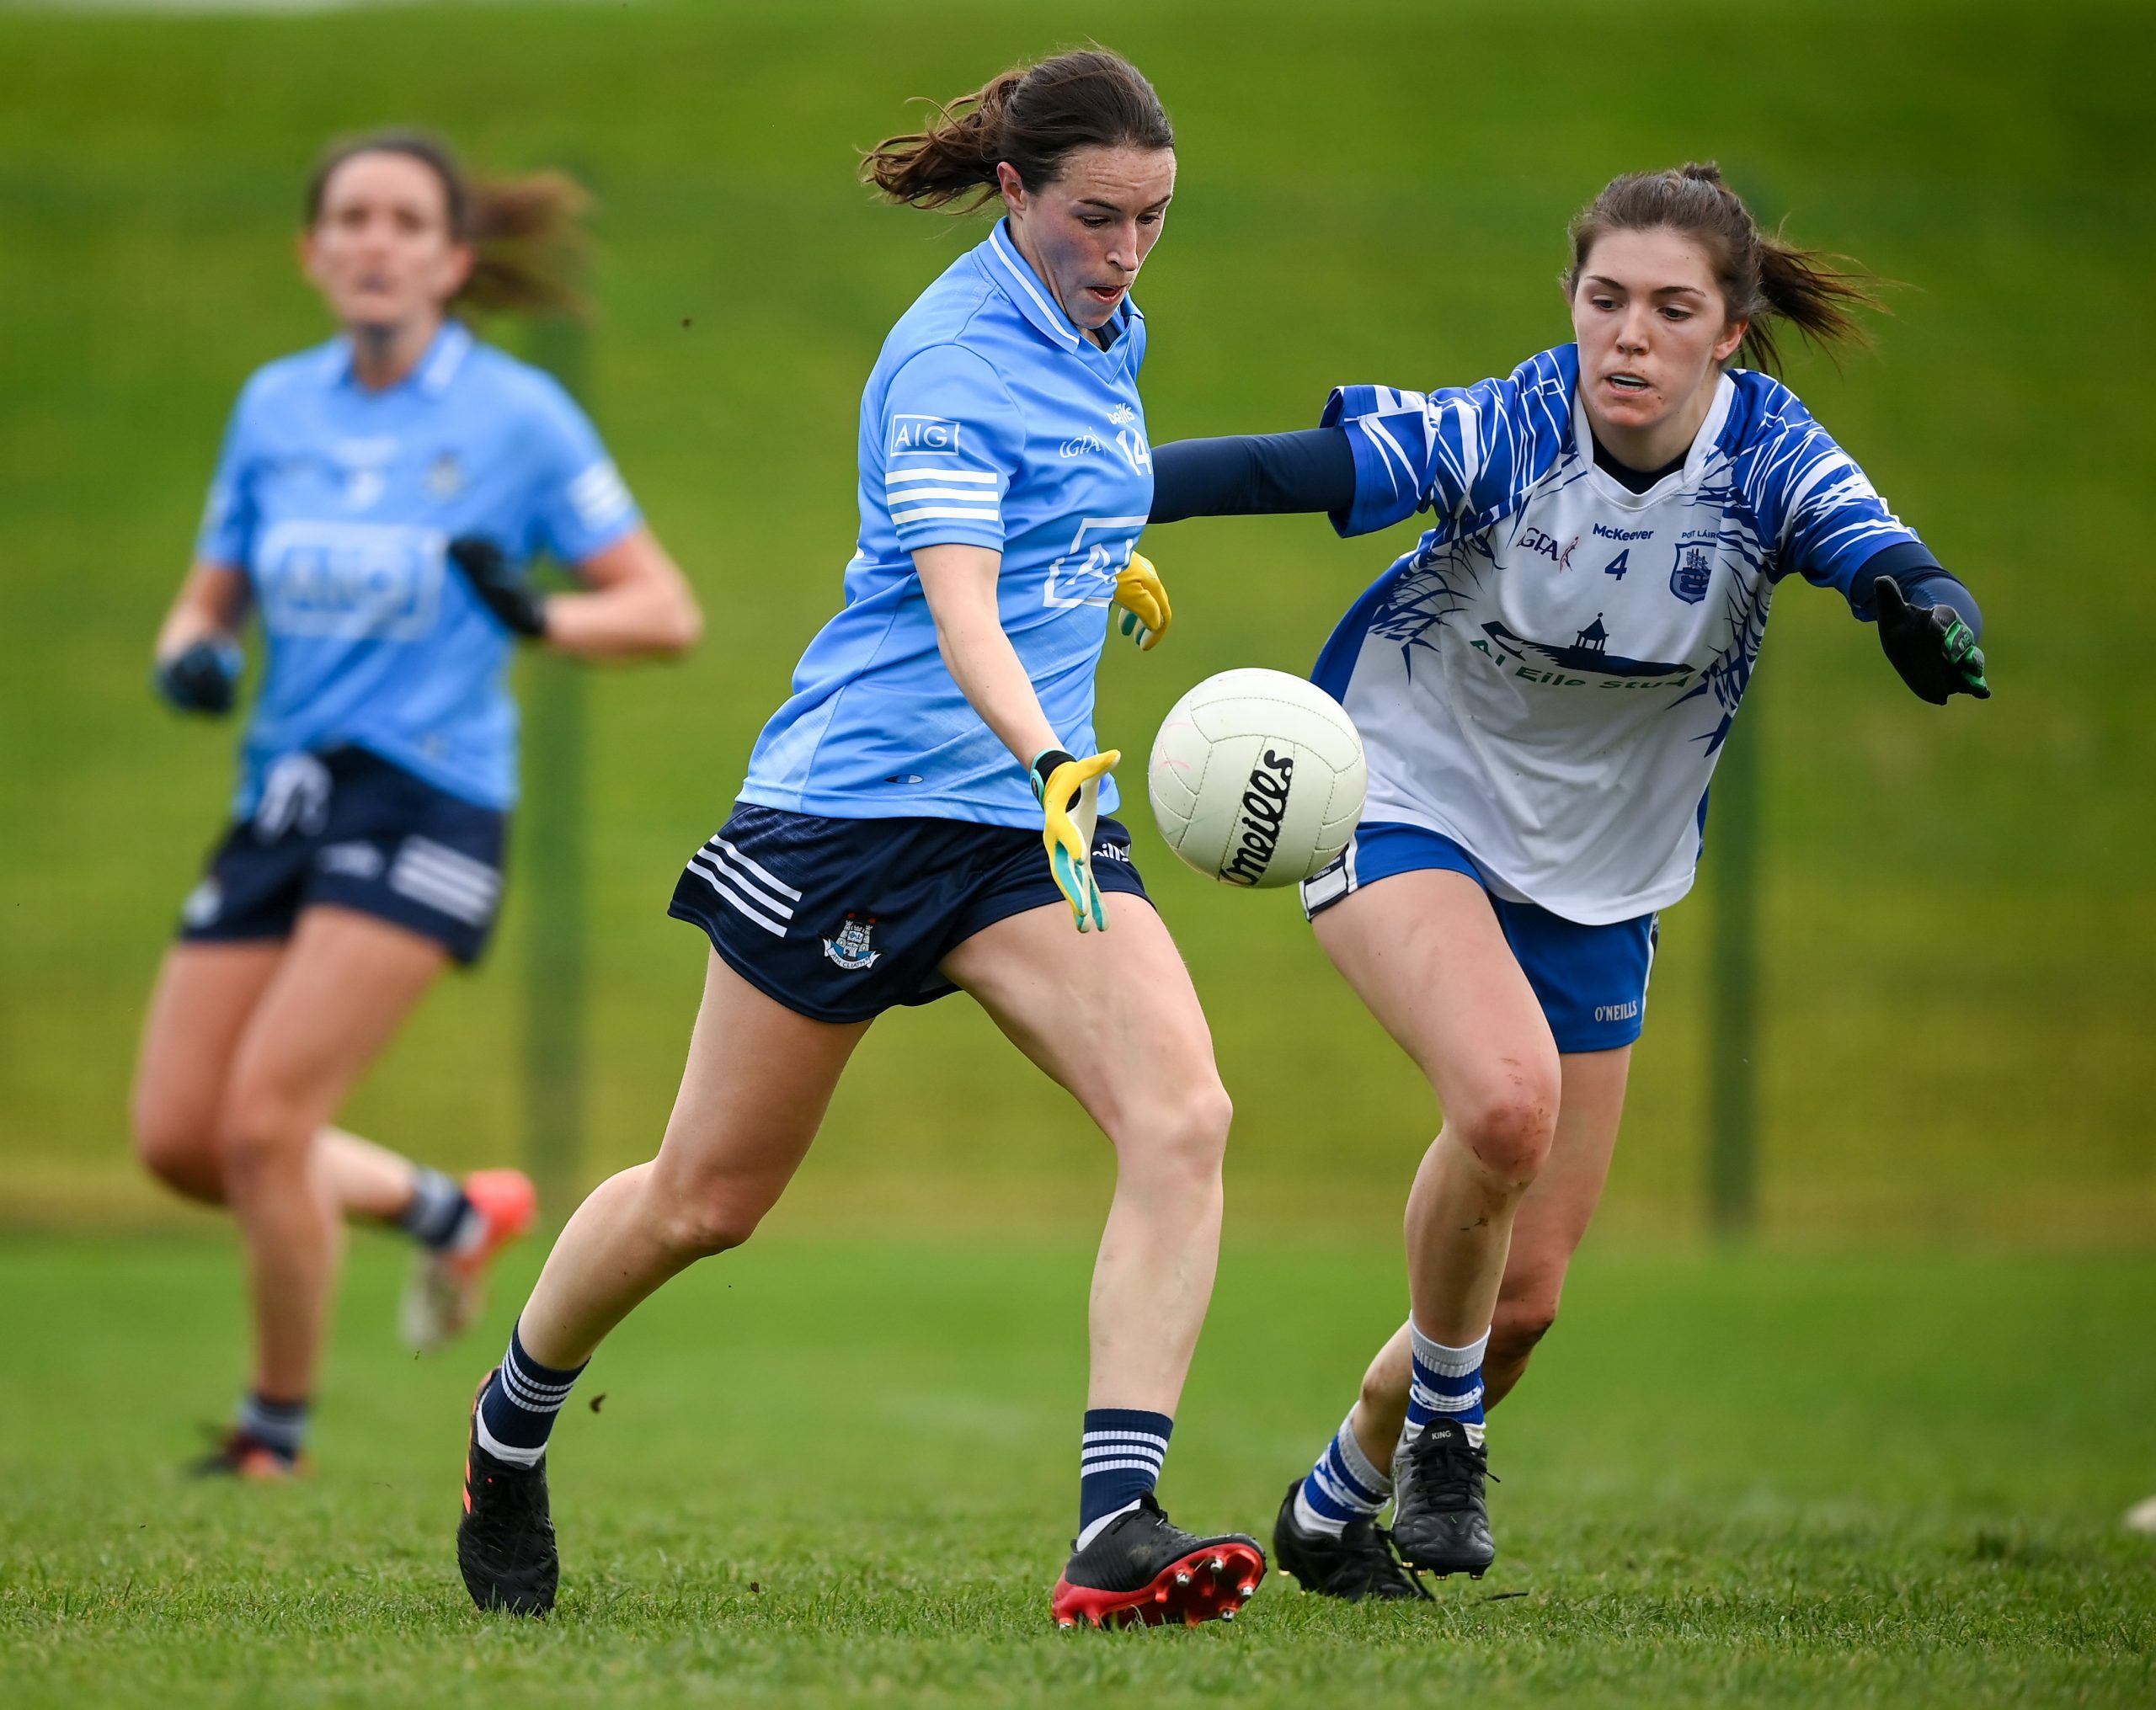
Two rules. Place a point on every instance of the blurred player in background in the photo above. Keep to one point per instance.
(888, 845)
(1543, 686)
(374, 503)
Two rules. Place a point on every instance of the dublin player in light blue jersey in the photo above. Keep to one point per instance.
(928, 812)
(1543, 687)
(374, 502)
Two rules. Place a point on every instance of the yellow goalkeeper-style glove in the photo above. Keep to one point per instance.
(1145, 615)
(1069, 791)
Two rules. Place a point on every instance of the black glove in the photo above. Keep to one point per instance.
(1933, 650)
(502, 588)
(203, 677)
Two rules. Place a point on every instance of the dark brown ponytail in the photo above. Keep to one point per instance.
(1762, 279)
(1032, 116)
(527, 232)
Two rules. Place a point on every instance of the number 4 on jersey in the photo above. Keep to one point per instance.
(1619, 565)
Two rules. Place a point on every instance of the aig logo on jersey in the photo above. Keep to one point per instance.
(912, 435)
(850, 948)
(1695, 567)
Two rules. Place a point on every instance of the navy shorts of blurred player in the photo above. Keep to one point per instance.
(347, 829)
(840, 919)
(1591, 981)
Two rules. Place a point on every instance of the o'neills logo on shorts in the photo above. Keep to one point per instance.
(1258, 824)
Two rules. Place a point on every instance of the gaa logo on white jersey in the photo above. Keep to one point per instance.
(915, 435)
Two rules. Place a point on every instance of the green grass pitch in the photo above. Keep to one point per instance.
(830, 1473)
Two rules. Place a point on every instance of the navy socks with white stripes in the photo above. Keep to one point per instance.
(1118, 1461)
(439, 1215)
(518, 1406)
(279, 1426)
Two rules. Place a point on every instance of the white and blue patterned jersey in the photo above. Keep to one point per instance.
(989, 420)
(1547, 677)
(338, 501)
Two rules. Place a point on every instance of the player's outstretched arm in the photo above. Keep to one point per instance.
(635, 604)
(197, 662)
(1933, 648)
(1254, 475)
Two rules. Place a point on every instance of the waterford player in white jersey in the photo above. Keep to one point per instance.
(926, 814)
(373, 501)
(1544, 685)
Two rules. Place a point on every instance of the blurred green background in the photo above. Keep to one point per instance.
(1958, 939)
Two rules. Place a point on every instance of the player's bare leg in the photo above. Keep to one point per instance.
(1551, 1222)
(340, 992)
(758, 1080)
(1113, 1018)
(206, 995)
(1424, 952)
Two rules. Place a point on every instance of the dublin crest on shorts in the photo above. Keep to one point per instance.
(850, 948)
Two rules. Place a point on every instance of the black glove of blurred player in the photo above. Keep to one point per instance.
(203, 677)
(1933, 650)
(504, 588)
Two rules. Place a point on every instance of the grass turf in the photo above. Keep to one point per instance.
(840, 1473)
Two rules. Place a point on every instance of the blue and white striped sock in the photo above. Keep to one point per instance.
(278, 1425)
(1448, 1385)
(1342, 1487)
(1119, 1461)
(518, 1406)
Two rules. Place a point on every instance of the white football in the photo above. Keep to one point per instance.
(1257, 778)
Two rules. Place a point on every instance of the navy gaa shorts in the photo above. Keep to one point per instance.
(840, 919)
(1591, 981)
(348, 828)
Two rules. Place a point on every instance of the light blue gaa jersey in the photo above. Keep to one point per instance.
(1547, 677)
(989, 420)
(338, 502)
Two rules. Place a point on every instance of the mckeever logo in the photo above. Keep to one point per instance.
(1603, 532)
(1257, 831)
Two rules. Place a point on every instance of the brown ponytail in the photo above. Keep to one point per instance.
(526, 232)
(1031, 116)
(1762, 279)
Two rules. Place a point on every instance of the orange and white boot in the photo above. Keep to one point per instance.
(448, 1286)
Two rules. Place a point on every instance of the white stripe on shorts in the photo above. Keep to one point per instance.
(699, 864)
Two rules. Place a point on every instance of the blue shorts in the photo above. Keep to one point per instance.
(1591, 981)
(840, 919)
(348, 828)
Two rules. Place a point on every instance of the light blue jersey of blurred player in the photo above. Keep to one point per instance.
(338, 503)
(983, 379)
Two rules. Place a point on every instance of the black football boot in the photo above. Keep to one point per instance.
(1141, 1567)
(506, 1540)
(1358, 1563)
(1440, 1520)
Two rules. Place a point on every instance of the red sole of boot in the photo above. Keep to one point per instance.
(1209, 1584)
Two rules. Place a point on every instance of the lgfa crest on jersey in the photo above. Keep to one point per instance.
(850, 948)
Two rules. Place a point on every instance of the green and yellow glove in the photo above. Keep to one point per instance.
(1145, 614)
(1069, 791)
